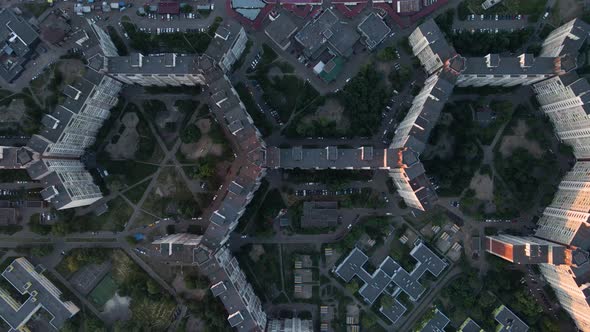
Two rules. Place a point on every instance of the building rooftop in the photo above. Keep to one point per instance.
(508, 321)
(437, 323)
(169, 63)
(469, 325)
(327, 30)
(374, 30)
(281, 30)
(41, 294)
(320, 214)
(17, 42)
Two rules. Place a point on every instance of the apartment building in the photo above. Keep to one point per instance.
(40, 293)
(567, 39)
(74, 124)
(227, 45)
(168, 69)
(430, 46)
(525, 69)
(248, 168)
(527, 250)
(105, 42)
(230, 285)
(563, 99)
(560, 244)
(67, 184)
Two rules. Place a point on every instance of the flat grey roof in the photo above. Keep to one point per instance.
(427, 261)
(374, 30)
(327, 28)
(42, 294)
(509, 66)
(509, 321)
(281, 29)
(408, 284)
(469, 325)
(154, 64)
(333, 157)
(437, 323)
(352, 264)
(395, 312)
(373, 287)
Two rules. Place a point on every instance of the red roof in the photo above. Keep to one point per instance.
(169, 8)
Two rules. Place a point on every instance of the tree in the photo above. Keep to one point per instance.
(152, 315)
(190, 134)
(186, 9)
(42, 250)
(36, 227)
(387, 54)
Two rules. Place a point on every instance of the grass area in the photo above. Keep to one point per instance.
(114, 219)
(36, 8)
(118, 41)
(175, 198)
(528, 176)
(10, 229)
(253, 207)
(454, 170)
(502, 112)
(104, 291)
(269, 262)
(134, 194)
(128, 172)
(283, 91)
(187, 106)
(271, 206)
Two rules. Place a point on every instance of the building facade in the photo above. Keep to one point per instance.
(563, 99)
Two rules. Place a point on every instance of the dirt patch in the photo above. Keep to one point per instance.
(519, 140)
(256, 252)
(127, 143)
(204, 145)
(483, 186)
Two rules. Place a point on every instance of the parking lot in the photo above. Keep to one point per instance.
(491, 23)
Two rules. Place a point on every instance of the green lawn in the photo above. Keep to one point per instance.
(134, 194)
(129, 171)
(113, 220)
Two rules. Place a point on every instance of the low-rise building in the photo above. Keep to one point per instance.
(508, 321)
(320, 214)
(327, 31)
(18, 41)
(374, 30)
(280, 30)
(40, 293)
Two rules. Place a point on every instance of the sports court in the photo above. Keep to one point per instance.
(104, 291)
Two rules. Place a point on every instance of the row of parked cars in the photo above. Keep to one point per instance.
(325, 192)
(496, 17)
